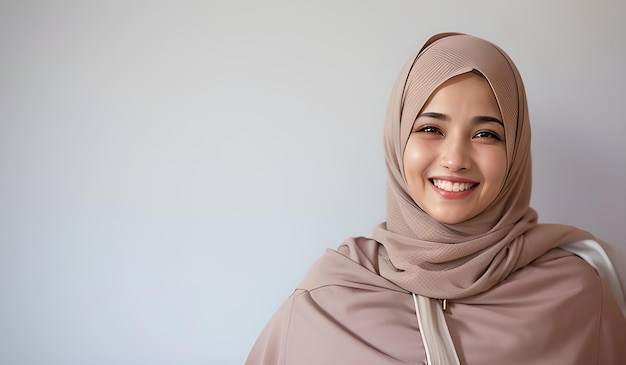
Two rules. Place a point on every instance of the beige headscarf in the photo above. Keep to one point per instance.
(454, 261)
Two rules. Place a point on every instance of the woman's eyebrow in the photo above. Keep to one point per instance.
(487, 119)
(478, 119)
(435, 115)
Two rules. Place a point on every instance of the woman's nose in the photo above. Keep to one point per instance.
(455, 154)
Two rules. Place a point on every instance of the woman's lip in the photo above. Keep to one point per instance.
(448, 185)
(453, 179)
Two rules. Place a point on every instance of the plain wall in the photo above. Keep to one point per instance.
(170, 169)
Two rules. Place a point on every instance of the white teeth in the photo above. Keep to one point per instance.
(450, 186)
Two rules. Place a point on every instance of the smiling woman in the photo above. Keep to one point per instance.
(460, 272)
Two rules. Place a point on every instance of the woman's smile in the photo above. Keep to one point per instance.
(453, 188)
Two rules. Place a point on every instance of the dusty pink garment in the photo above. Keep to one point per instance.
(517, 299)
(555, 310)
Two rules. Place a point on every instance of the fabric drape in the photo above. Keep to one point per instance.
(454, 261)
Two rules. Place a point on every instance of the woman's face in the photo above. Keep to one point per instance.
(455, 158)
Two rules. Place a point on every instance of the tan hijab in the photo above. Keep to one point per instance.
(453, 261)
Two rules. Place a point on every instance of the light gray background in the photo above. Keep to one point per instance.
(170, 169)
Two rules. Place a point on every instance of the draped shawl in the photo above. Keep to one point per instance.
(450, 261)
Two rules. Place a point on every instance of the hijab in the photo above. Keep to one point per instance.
(450, 261)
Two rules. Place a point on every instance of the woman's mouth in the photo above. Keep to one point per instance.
(448, 186)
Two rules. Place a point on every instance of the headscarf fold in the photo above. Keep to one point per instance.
(450, 261)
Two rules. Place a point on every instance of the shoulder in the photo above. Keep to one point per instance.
(584, 261)
(561, 273)
(354, 264)
(341, 304)
(595, 254)
(558, 303)
(558, 280)
(558, 263)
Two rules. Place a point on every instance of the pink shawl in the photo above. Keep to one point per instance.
(456, 261)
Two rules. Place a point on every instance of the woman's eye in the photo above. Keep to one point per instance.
(487, 134)
(429, 130)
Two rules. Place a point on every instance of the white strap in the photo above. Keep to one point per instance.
(438, 344)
